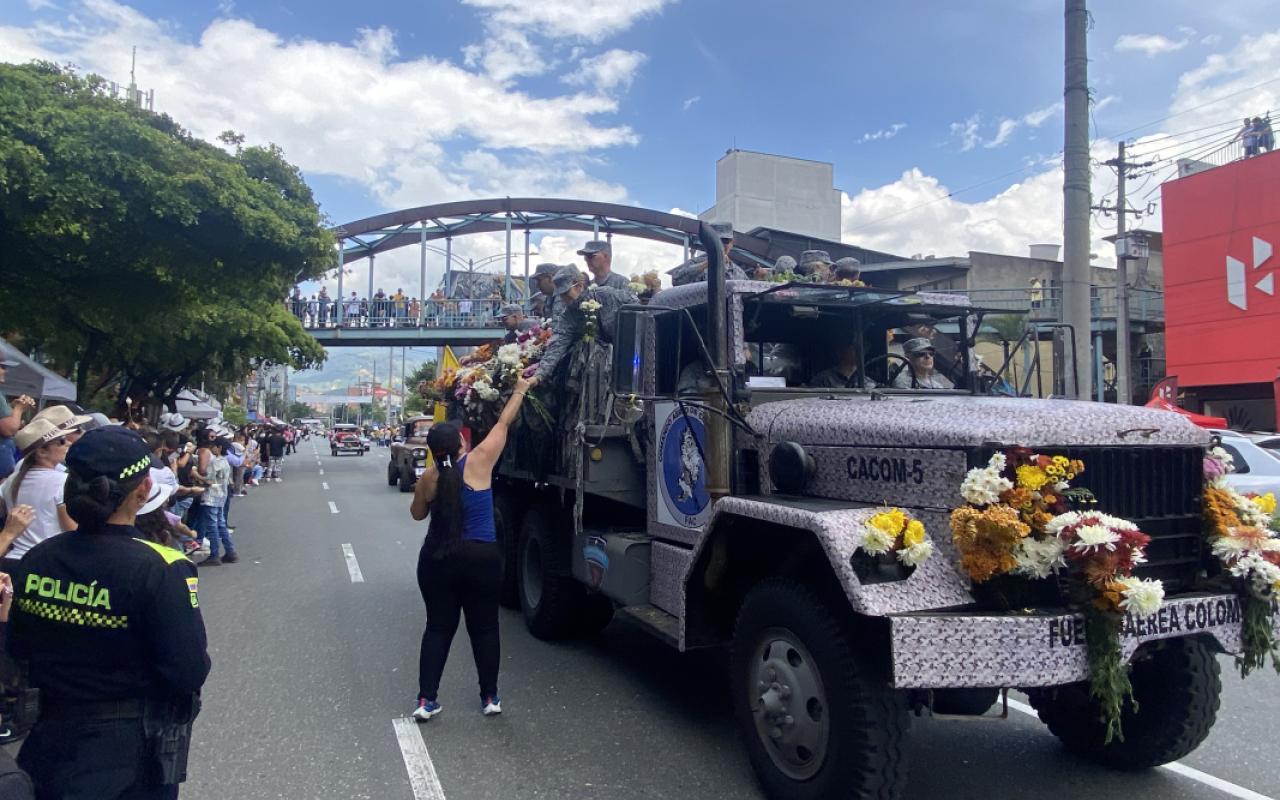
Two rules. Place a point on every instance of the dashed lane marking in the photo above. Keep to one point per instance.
(321, 472)
(422, 773)
(353, 566)
(1176, 767)
(326, 486)
(333, 507)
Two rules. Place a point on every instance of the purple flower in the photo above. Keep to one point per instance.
(529, 371)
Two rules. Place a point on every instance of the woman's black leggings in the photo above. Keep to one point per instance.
(467, 581)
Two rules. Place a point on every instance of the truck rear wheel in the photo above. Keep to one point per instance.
(407, 479)
(393, 474)
(506, 526)
(1177, 687)
(816, 723)
(549, 595)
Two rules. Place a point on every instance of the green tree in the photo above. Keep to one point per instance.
(235, 414)
(134, 252)
(300, 411)
(421, 396)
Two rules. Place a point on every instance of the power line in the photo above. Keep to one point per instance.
(1195, 108)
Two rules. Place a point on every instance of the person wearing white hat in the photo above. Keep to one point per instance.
(174, 422)
(67, 420)
(37, 483)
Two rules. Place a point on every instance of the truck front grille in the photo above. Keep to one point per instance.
(1158, 489)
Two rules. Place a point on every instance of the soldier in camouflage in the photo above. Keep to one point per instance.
(599, 258)
(571, 289)
(695, 270)
(547, 305)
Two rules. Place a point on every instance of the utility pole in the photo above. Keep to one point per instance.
(1124, 382)
(1076, 197)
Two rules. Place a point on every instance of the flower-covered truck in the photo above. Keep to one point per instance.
(868, 552)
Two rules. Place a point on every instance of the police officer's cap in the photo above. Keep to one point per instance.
(115, 452)
(510, 309)
(546, 269)
(566, 277)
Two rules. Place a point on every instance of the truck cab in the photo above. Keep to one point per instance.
(409, 454)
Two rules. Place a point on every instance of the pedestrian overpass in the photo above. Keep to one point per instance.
(472, 321)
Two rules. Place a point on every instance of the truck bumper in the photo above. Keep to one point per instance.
(935, 650)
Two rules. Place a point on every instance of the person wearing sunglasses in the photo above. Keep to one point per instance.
(920, 373)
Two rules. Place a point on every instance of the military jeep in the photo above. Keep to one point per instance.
(410, 457)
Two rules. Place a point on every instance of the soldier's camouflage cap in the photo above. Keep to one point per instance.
(567, 277)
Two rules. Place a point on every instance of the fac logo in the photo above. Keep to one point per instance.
(1237, 280)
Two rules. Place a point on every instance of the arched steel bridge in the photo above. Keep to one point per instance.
(447, 323)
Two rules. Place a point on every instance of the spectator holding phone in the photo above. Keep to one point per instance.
(10, 421)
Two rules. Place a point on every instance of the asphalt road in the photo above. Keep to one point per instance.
(310, 670)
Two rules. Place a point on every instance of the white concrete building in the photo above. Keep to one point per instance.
(758, 190)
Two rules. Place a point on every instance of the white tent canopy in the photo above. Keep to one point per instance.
(191, 407)
(33, 380)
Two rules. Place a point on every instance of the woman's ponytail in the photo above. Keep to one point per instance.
(444, 534)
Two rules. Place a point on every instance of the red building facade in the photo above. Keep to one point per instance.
(1222, 297)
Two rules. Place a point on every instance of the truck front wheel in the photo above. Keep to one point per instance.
(549, 595)
(1177, 686)
(407, 479)
(393, 474)
(816, 723)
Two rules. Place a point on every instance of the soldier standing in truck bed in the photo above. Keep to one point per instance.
(599, 258)
(571, 289)
(695, 270)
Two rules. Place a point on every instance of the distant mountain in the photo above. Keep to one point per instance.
(348, 366)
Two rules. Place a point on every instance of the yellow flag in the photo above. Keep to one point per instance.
(448, 360)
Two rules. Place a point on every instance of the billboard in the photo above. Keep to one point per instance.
(1222, 302)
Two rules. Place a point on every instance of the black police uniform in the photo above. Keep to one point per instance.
(110, 627)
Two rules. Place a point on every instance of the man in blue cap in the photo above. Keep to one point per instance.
(588, 310)
(110, 625)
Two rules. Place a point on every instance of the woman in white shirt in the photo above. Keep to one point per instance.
(37, 483)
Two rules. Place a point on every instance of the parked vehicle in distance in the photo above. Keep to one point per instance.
(409, 455)
(346, 439)
(1257, 468)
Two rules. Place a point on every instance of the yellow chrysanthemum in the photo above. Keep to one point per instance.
(1061, 461)
(914, 534)
(1266, 502)
(1030, 477)
(886, 523)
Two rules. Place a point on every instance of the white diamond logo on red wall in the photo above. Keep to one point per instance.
(1237, 277)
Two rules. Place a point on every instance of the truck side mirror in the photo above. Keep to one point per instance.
(628, 351)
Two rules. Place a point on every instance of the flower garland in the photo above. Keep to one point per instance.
(1237, 528)
(591, 316)
(1017, 521)
(890, 531)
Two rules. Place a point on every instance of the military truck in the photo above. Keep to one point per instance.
(686, 479)
(409, 455)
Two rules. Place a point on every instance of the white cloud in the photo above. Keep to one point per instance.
(970, 135)
(883, 133)
(1186, 30)
(1211, 40)
(614, 69)
(585, 19)
(968, 132)
(356, 111)
(688, 104)
(1151, 44)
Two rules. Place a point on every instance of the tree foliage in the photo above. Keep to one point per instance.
(132, 250)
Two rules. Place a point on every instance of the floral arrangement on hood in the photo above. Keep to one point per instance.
(484, 380)
(591, 314)
(891, 531)
(1020, 519)
(1237, 528)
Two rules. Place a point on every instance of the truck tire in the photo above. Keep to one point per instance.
(506, 526)
(1177, 687)
(549, 595)
(816, 723)
(393, 474)
(407, 480)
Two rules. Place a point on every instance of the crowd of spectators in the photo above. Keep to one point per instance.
(197, 469)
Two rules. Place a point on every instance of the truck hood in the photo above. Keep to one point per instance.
(951, 421)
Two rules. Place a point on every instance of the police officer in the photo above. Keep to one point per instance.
(570, 286)
(515, 323)
(110, 627)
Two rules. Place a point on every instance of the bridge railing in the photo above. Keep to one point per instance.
(315, 315)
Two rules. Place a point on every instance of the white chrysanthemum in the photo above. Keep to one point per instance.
(1262, 575)
(509, 354)
(1227, 548)
(916, 554)
(590, 306)
(997, 463)
(463, 374)
(1227, 460)
(1038, 559)
(875, 541)
(1141, 596)
(983, 486)
(1054, 526)
(1091, 536)
(1061, 486)
(1137, 555)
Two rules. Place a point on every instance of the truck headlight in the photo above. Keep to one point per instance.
(419, 453)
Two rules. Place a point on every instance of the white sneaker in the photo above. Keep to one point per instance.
(426, 710)
(492, 705)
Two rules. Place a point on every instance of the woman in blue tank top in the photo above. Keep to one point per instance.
(460, 566)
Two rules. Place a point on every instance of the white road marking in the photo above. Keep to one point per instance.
(333, 507)
(326, 486)
(1176, 767)
(422, 773)
(321, 472)
(353, 566)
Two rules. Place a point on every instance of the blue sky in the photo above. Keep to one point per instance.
(387, 105)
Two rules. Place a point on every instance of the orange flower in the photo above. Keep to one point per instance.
(1109, 597)
(986, 539)
(1016, 497)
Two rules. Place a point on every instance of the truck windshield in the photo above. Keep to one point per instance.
(835, 338)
